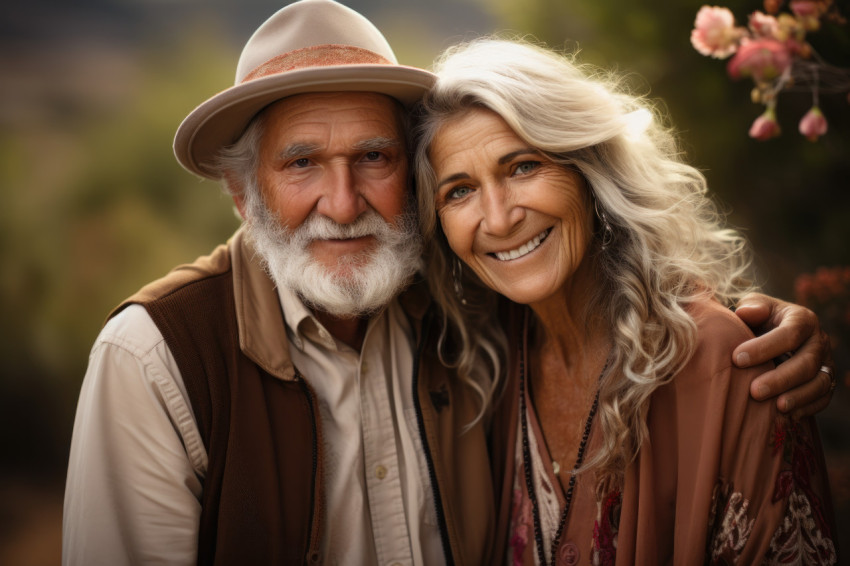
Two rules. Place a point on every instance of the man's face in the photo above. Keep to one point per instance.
(337, 155)
(330, 214)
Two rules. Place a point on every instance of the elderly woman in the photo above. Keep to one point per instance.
(626, 434)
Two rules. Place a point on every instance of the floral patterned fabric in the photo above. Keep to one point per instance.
(722, 480)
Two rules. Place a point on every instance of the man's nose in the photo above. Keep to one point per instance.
(341, 200)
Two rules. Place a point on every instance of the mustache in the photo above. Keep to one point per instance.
(319, 227)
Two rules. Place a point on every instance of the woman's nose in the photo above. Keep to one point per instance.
(500, 213)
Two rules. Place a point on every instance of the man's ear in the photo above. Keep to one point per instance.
(239, 201)
(236, 190)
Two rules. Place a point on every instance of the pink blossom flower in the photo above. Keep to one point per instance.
(813, 125)
(763, 25)
(761, 59)
(714, 32)
(765, 126)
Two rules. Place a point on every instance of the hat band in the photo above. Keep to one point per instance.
(316, 56)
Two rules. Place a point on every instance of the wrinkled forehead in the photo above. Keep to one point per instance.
(469, 133)
(362, 113)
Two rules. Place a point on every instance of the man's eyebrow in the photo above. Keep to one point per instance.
(377, 143)
(298, 150)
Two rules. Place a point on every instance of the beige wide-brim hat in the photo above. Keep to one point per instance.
(308, 46)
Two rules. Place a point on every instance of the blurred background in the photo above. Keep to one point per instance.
(94, 204)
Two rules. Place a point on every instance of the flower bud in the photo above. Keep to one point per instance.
(765, 126)
(813, 124)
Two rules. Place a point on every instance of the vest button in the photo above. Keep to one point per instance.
(568, 554)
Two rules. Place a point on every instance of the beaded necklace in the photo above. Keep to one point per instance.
(526, 458)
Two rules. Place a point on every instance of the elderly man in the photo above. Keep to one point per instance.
(280, 400)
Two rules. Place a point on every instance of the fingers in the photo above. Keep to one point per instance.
(794, 328)
(786, 379)
(798, 382)
(755, 309)
(812, 408)
(803, 398)
(813, 396)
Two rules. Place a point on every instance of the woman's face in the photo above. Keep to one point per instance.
(518, 220)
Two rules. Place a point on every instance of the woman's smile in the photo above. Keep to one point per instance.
(524, 249)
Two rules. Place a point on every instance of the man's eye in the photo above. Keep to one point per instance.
(372, 156)
(302, 162)
(526, 167)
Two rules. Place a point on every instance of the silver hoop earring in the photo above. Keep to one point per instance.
(607, 231)
(457, 269)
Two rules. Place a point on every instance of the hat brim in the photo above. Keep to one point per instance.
(220, 120)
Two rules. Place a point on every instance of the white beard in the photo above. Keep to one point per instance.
(359, 284)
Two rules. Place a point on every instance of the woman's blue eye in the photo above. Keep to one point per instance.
(526, 167)
(459, 192)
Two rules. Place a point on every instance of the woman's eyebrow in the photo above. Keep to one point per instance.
(452, 179)
(524, 151)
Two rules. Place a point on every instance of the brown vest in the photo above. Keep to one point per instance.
(257, 507)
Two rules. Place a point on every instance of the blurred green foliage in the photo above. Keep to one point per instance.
(95, 206)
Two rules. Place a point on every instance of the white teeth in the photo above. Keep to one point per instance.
(523, 249)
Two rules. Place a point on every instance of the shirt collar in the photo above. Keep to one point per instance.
(259, 317)
(300, 322)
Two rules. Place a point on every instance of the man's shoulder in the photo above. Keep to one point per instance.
(132, 329)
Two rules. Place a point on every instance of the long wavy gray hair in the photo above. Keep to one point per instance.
(669, 244)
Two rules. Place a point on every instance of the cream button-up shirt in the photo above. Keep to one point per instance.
(137, 461)
(376, 482)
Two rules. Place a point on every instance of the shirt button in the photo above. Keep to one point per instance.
(380, 472)
(568, 554)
